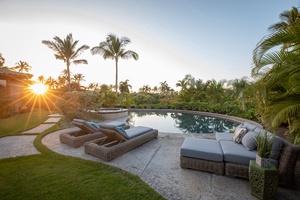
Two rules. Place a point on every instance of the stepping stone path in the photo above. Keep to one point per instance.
(54, 118)
(12, 146)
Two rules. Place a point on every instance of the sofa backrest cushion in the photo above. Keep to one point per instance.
(248, 140)
(249, 126)
(276, 148)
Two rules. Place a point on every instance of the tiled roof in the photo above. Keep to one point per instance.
(6, 72)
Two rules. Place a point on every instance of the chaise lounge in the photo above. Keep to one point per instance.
(118, 141)
(227, 156)
(87, 131)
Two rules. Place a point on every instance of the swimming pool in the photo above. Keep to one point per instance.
(176, 122)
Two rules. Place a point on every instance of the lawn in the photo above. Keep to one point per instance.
(53, 176)
(22, 122)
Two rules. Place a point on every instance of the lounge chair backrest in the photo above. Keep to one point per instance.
(85, 126)
(111, 125)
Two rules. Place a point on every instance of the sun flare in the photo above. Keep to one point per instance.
(38, 88)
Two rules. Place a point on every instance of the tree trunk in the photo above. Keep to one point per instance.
(116, 77)
(68, 78)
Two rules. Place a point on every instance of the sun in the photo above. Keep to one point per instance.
(38, 88)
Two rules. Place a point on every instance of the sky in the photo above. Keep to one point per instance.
(209, 39)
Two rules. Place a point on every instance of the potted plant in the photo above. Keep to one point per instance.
(264, 144)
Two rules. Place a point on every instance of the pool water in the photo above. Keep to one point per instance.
(180, 122)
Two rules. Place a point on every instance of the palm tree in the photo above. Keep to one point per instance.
(289, 19)
(51, 82)
(22, 66)
(145, 89)
(114, 48)
(278, 86)
(41, 79)
(78, 78)
(238, 87)
(124, 86)
(66, 50)
(2, 60)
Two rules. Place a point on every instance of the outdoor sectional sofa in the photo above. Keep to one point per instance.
(229, 157)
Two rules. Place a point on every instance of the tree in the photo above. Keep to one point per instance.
(145, 89)
(289, 19)
(124, 86)
(114, 48)
(238, 87)
(66, 50)
(41, 79)
(22, 66)
(278, 72)
(51, 82)
(2, 60)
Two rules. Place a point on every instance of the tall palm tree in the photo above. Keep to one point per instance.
(114, 48)
(22, 66)
(66, 50)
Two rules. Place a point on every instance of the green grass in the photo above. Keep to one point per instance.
(53, 176)
(22, 122)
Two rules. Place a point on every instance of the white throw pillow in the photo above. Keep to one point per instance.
(239, 134)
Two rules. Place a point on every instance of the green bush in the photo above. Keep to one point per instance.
(7, 108)
(79, 105)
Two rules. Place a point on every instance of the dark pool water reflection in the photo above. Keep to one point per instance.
(180, 122)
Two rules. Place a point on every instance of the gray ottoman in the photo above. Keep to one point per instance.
(202, 154)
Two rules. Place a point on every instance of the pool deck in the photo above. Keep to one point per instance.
(157, 163)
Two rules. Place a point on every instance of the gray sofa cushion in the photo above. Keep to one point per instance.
(248, 140)
(237, 153)
(205, 149)
(224, 136)
(249, 126)
(276, 147)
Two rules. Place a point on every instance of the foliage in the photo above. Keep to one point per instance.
(79, 105)
(277, 89)
(264, 144)
(7, 108)
(114, 48)
(66, 50)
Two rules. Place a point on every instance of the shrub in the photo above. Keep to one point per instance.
(83, 105)
(7, 108)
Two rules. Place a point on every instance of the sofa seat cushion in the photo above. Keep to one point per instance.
(224, 136)
(205, 149)
(237, 153)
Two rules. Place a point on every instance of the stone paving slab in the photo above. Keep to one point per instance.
(55, 115)
(52, 120)
(13, 146)
(39, 129)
